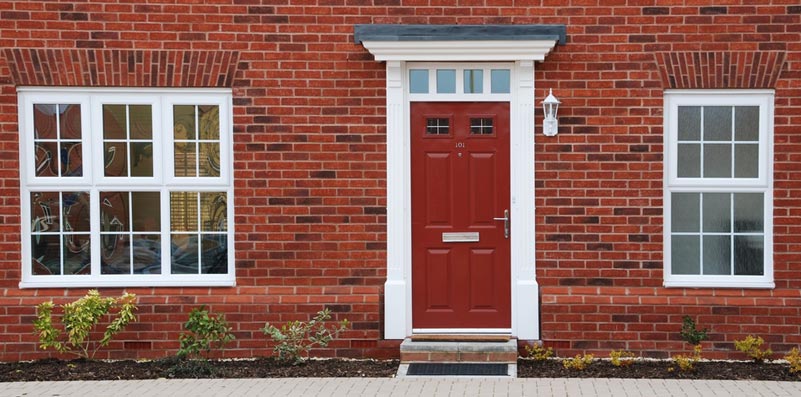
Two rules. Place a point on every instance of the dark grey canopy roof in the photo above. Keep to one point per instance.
(380, 32)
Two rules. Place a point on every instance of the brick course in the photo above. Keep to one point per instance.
(309, 168)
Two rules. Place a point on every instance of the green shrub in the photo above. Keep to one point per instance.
(539, 353)
(79, 319)
(621, 358)
(205, 332)
(690, 334)
(296, 338)
(794, 358)
(753, 348)
(579, 362)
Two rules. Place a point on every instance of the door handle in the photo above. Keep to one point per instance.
(505, 220)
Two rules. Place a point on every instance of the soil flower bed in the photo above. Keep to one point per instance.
(52, 369)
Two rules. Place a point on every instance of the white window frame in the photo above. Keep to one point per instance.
(93, 180)
(762, 184)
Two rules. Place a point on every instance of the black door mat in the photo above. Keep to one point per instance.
(455, 369)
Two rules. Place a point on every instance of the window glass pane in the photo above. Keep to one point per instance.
(114, 212)
(689, 123)
(71, 159)
(685, 252)
(147, 254)
(717, 161)
(46, 254)
(46, 158)
(114, 122)
(69, 121)
(45, 212)
(214, 216)
(473, 81)
(748, 210)
(115, 253)
(185, 159)
(141, 158)
(685, 212)
(146, 211)
(75, 207)
(749, 255)
(689, 160)
(45, 121)
(746, 160)
(717, 123)
(746, 123)
(183, 212)
(209, 159)
(184, 254)
(446, 81)
(717, 212)
(115, 159)
(717, 255)
(141, 122)
(77, 253)
(418, 81)
(183, 117)
(214, 256)
(499, 81)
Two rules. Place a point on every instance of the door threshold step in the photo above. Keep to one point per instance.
(460, 337)
(458, 369)
(497, 352)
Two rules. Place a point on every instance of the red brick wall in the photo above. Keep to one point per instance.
(310, 158)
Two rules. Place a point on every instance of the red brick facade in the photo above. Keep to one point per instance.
(309, 168)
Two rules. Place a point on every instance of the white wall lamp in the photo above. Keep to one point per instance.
(550, 125)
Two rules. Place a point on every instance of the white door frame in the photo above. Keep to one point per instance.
(521, 54)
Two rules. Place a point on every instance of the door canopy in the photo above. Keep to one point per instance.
(459, 42)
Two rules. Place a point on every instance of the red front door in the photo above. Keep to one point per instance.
(460, 182)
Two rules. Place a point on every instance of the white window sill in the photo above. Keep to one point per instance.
(719, 284)
(129, 282)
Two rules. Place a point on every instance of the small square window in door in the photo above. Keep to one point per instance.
(438, 126)
(481, 126)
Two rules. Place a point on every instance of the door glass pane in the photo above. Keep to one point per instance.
(717, 161)
(446, 81)
(717, 123)
(717, 255)
(748, 210)
(473, 81)
(44, 121)
(438, 126)
(689, 160)
(746, 160)
(481, 126)
(689, 123)
(746, 123)
(749, 255)
(717, 212)
(685, 252)
(418, 81)
(499, 81)
(685, 212)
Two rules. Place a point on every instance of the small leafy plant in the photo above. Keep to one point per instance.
(690, 333)
(296, 338)
(686, 363)
(579, 362)
(621, 358)
(80, 318)
(794, 358)
(753, 348)
(539, 353)
(205, 332)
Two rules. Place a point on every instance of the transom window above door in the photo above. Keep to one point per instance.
(455, 82)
